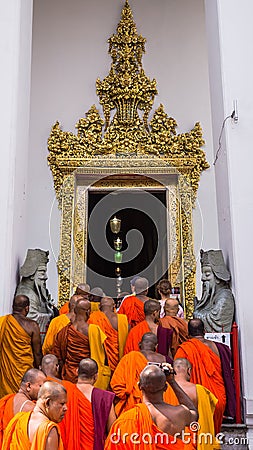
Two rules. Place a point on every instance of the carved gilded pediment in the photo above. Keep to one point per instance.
(129, 94)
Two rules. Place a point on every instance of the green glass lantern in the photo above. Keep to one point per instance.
(117, 257)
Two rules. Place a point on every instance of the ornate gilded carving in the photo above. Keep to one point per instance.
(126, 143)
(174, 257)
(65, 257)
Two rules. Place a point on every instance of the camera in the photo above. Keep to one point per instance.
(167, 370)
(163, 366)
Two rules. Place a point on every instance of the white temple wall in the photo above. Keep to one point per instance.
(234, 195)
(15, 55)
(70, 52)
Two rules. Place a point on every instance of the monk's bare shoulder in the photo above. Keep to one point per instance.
(212, 346)
(29, 325)
(52, 440)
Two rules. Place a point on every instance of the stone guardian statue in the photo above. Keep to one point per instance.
(216, 306)
(33, 285)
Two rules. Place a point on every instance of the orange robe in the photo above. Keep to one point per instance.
(67, 384)
(6, 413)
(70, 348)
(64, 309)
(94, 306)
(207, 371)
(206, 407)
(16, 356)
(180, 331)
(136, 430)
(55, 326)
(16, 436)
(77, 427)
(134, 310)
(124, 381)
(135, 335)
(113, 341)
(205, 438)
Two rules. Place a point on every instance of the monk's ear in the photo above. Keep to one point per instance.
(96, 377)
(47, 401)
(28, 386)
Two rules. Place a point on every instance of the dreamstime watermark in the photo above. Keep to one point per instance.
(160, 214)
(193, 436)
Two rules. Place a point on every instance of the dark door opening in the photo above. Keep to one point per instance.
(143, 233)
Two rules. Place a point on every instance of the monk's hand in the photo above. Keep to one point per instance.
(169, 371)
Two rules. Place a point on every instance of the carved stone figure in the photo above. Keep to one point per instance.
(216, 306)
(33, 285)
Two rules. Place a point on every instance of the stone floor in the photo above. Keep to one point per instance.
(235, 437)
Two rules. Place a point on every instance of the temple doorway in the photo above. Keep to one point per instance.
(143, 234)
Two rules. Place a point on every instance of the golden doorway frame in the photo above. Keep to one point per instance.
(127, 173)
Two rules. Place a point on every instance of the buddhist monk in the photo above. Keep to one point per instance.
(126, 376)
(95, 297)
(133, 306)
(153, 424)
(20, 346)
(82, 289)
(150, 324)
(175, 323)
(58, 323)
(79, 340)
(38, 429)
(90, 411)
(114, 326)
(51, 368)
(205, 359)
(24, 400)
(204, 401)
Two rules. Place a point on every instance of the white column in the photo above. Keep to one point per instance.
(230, 37)
(15, 56)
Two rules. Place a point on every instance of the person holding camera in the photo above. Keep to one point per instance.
(154, 424)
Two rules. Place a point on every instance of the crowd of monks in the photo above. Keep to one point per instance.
(139, 376)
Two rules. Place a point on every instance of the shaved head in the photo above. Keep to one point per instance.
(141, 285)
(181, 365)
(82, 305)
(148, 342)
(73, 300)
(20, 302)
(51, 390)
(31, 383)
(171, 307)
(196, 327)
(49, 363)
(87, 369)
(152, 379)
(151, 306)
(32, 375)
(83, 289)
(106, 302)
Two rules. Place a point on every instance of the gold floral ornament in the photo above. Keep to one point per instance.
(127, 91)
